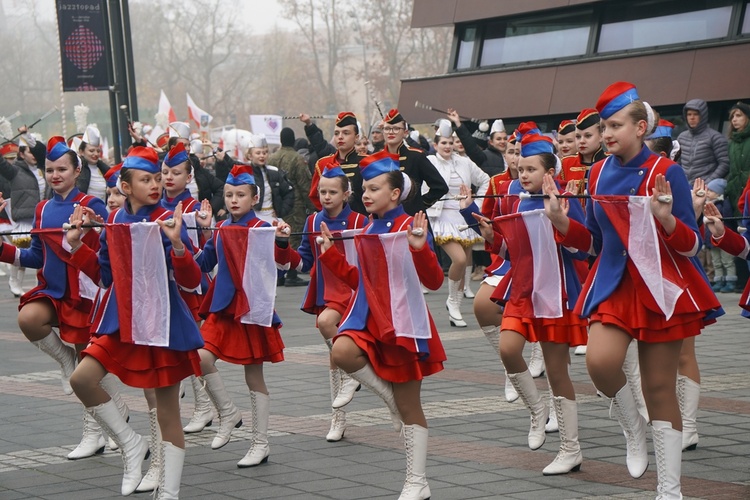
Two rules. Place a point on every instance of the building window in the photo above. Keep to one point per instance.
(548, 37)
(670, 29)
(746, 21)
(466, 43)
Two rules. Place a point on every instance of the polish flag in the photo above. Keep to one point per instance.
(392, 287)
(165, 108)
(250, 255)
(533, 254)
(200, 117)
(632, 218)
(141, 280)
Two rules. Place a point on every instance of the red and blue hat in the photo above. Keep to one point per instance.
(615, 97)
(513, 138)
(663, 129)
(587, 118)
(112, 175)
(141, 158)
(176, 155)
(378, 163)
(331, 172)
(566, 127)
(56, 147)
(526, 128)
(240, 175)
(536, 144)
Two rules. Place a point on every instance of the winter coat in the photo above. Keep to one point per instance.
(704, 150)
(84, 179)
(24, 189)
(210, 187)
(739, 165)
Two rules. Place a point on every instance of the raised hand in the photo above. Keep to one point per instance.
(3, 202)
(283, 230)
(556, 209)
(712, 219)
(485, 227)
(661, 203)
(324, 240)
(172, 229)
(464, 190)
(453, 116)
(203, 217)
(416, 238)
(698, 195)
(572, 186)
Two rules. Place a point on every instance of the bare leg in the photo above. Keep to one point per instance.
(604, 358)
(556, 359)
(85, 382)
(409, 403)
(36, 318)
(659, 378)
(457, 255)
(208, 361)
(347, 355)
(328, 322)
(254, 378)
(688, 361)
(168, 414)
(487, 312)
(511, 351)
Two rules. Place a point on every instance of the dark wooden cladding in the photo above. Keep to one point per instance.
(430, 13)
(712, 74)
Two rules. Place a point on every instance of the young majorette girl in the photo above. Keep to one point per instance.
(489, 314)
(368, 346)
(553, 324)
(228, 337)
(328, 296)
(63, 298)
(626, 295)
(445, 218)
(176, 173)
(158, 356)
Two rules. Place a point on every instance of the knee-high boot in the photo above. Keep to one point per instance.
(668, 452)
(493, 337)
(535, 403)
(230, 416)
(151, 480)
(569, 457)
(171, 472)
(338, 418)
(109, 384)
(92, 442)
(203, 412)
(133, 447)
(623, 408)
(259, 449)
(367, 377)
(453, 304)
(52, 346)
(688, 394)
(415, 444)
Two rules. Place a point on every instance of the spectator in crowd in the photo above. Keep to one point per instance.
(704, 150)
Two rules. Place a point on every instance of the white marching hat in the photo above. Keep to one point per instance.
(179, 129)
(497, 126)
(444, 128)
(92, 136)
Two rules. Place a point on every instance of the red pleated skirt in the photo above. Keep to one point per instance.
(625, 311)
(240, 344)
(73, 321)
(395, 363)
(141, 366)
(193, 301)
(569, 329)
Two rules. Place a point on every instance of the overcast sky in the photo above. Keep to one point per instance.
(259, 15)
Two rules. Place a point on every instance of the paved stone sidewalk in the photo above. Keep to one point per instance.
(477, 440)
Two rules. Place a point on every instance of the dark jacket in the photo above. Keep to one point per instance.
(209, 186)
(490, 160)
(24, 189)
(739, 164)
(319, 147)
(704, 151)
(85, 178)
(416, 165)
(282, 192)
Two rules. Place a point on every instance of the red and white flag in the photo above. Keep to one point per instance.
(531, 245)
(165, 108)
(200, 117)
(632, 218)
(250, 255)
(398, 308)
(141, 280)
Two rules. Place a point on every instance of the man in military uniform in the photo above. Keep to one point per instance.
(344, 137)
(415, 163)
